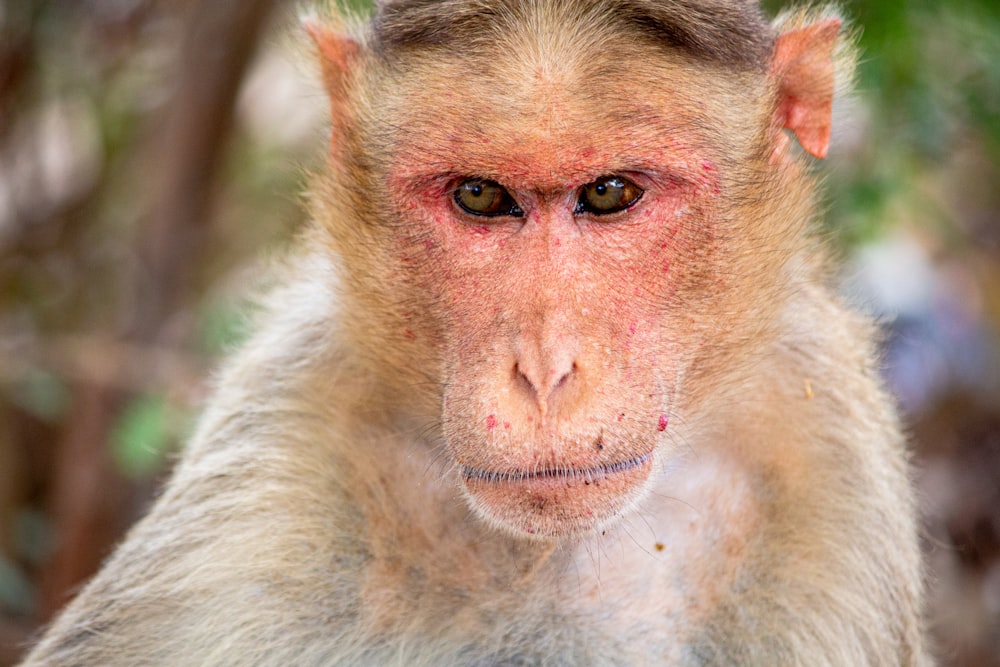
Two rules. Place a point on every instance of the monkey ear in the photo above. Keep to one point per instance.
(337, 54)
(804, 69)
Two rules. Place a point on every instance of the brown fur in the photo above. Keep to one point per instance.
(557, 439)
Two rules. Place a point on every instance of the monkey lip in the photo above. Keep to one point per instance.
(586, 476)
(557, 502)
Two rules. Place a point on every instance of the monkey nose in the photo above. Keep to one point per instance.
(542, 383)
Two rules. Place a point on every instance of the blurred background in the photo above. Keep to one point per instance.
(152, 156)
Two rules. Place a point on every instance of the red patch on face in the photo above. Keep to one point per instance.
(661, 425)
(491, 422)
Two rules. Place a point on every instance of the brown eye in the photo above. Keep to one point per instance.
(485, 198)
(608, 194)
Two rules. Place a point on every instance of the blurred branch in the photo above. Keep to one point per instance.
(16, 54)
(221, 35)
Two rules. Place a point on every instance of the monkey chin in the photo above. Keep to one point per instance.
(560, 502)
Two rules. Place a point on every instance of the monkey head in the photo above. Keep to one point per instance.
(562, 233)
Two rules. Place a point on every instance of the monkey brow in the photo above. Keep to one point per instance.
(731, 33)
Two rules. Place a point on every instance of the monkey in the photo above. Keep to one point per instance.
(557, 375)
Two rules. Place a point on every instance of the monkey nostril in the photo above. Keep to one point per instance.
(565, 376)
(522, 378)
(542, 385)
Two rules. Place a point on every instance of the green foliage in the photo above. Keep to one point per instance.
(222, 326)
(31, 543)
(360, 6)
(143, 436)
(16, 592)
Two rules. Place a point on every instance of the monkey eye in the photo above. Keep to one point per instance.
(485, 198)
(608, 194)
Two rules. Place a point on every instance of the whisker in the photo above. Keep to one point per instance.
(587, 475)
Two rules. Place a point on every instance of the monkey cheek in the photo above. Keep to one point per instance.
(558, 505)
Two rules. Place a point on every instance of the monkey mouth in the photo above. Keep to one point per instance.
(586, 476)
(557, 502)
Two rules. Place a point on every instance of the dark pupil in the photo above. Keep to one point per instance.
(601, 189)
(477, 190)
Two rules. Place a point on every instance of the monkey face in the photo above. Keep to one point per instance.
(555, 242)
(558, 378)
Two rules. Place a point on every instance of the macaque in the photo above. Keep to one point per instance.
(555, 378)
